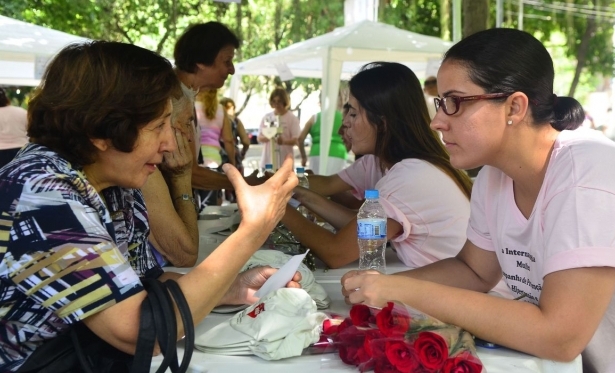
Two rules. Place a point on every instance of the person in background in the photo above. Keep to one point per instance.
(95, 139)
(239, 135)
(204, 59)
(239, 132)
(542, 210)
(430, 90)
(337, 150)
(426, 200)
(215, 127)
(13, 122)
(174, 235)
(286, 120)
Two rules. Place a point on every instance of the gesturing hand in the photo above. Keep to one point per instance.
(262, 206)
(247, 283)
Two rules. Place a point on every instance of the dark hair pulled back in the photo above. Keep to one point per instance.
(509, 60)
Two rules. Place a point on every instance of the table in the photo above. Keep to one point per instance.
(501, 360)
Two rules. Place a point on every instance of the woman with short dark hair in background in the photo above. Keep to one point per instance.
(13, 123)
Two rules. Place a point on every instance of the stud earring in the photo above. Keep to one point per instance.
(509, 122)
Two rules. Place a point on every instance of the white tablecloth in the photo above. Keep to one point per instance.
(500, 360)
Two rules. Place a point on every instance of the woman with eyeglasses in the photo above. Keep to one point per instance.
(542, 210)
(426, 200)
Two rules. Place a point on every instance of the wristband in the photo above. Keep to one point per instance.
(187, 197)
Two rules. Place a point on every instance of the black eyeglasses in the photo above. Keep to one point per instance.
(450, 104)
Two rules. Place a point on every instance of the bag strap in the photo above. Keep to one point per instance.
(146, 340)
(165, 323)
(187, 321)
(161, 296)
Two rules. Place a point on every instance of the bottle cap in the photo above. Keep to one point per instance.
(300, 170)
(371, 193)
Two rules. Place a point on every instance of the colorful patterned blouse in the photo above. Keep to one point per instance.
(64, 254)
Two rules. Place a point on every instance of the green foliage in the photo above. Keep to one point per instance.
(420, 16)
(265, 25)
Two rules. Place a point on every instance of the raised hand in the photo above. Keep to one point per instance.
(262, 206)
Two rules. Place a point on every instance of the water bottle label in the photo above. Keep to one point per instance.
(371, 229)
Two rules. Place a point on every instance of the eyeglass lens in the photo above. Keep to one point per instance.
(448, 104)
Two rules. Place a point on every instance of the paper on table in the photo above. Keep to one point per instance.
(282, 276)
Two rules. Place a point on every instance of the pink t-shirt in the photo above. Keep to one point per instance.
(290, 129)
(571, 225)
(13, 123)
(210, 128)
(428, 204)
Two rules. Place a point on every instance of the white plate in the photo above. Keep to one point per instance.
(229, 309)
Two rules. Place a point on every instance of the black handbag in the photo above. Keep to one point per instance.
(80, 350)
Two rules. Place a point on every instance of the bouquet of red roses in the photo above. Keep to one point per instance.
(399, 338)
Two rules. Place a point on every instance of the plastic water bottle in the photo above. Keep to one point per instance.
(303, 182)
(268, 168)
(372, 233)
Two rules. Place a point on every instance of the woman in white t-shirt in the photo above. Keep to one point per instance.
(542, 210)
(426, 200)
(13, 123)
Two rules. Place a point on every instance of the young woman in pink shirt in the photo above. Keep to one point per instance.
(426, 200)
(542, 210)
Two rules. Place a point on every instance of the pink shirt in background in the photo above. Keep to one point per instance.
(572, 225)
(13, 126)
(210, 128)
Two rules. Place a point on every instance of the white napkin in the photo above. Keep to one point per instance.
(278, 326)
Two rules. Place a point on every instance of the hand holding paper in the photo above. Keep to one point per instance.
(282, 276)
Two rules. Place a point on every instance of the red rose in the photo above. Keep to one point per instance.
(384, 366)
(392, 321)
(370, 336)
(432, 350)
(353, 355)
(345, 324)
(360, 315)
(347, 354)
(351, 346)
(462, 363)
(402, 356)
(330, 327)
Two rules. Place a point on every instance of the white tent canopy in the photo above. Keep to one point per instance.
(339, 54)
(25, 50)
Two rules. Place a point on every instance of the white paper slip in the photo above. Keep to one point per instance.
(282, 276)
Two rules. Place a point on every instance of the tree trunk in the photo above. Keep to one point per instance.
(445, 19)
(590, 29)
(475, 16)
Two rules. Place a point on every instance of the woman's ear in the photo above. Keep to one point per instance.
(100, 144)
(517, 107)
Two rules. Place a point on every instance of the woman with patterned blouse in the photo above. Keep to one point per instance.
(73, 223)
